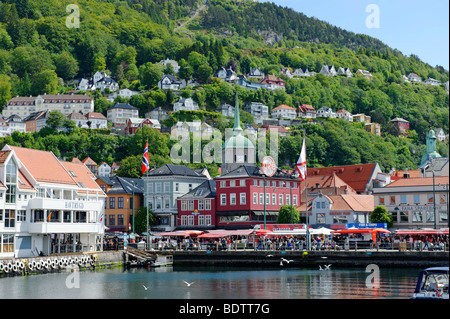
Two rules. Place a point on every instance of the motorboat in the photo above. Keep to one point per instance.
(432, 284)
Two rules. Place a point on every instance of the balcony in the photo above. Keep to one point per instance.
(59, 228)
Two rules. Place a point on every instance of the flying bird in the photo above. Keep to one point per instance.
(285, 260)
(188, 283)
(145, 287)
(269, 256)
(327, 267)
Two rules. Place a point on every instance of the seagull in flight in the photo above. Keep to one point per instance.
(327, 267)
(188, 283)
(285, 260)
(269, 256)
(145, 287)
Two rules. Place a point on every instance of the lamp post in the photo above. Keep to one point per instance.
(434, 191)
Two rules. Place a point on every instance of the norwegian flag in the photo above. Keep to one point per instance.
(301, 163)
(145, 160)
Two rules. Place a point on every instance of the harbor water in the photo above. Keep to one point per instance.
(215, 283)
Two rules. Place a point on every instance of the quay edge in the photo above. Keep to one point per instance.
(388, 259)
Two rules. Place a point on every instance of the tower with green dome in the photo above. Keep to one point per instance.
(431, 148)
(237, 150)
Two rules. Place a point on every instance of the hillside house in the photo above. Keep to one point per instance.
(283, 112)
(169, 82)
(185, 105)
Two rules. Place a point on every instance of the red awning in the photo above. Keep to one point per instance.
(421, 232)
(181, 233)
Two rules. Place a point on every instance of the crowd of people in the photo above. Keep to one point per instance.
(335, 242)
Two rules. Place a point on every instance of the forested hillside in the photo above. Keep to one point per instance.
(40, 54)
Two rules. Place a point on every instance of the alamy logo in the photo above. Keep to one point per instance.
(73, 19)
(373, 19)
(373, 279)
(73, 279)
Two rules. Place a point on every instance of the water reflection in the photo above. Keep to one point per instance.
(216, 283)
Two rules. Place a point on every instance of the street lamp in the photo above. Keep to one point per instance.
(434, 192)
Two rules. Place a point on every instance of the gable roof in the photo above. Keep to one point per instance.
(253, 171)
(89, 161)
(124, 185)
(207, 189)
(283, 107)
(43, 166)
(81, 174)
(357, 176)
(171, 169)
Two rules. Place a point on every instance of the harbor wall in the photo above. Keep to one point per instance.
(310, 258)
(59, 263)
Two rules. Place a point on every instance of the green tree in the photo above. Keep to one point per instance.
(66, 65)
(45, 82)
(99, 64)
(140, 221)
(381, 215)
(150, 74)
(285, 216)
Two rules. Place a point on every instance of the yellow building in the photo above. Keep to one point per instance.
(120, 192)
(373, 128)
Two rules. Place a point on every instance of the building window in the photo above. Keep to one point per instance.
(320, 218)
(242, 184)
(381, 200)
(255, 198)
(183, 205)
(288, 200)
(166, 203)
(261, 198)
(430, 199)
(416, 199)
(201, 220)
(294, 200)
(158, 188)
(9, 218)
(280, 199)
(404, 217)
(223, 199)
(112, 202)
(11, 181)
(119, 202)
(21, 215)
(201, 205)
(158, 203)
(112, 220)
(166, 187)
(243, 199)
(207, 220)
(430, 217)
(232, 183)
(233, 199)
(417, 217)
(402, 199)
(223, 184)
(274, 199)
(392, 200)
(150, 188)
(191, 205)
(177, 187)
(120, 220)
(207, 204)
(183, 220)
(191, 220)
(267, 199)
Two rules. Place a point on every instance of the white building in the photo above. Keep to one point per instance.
(431, 81)
(119, 114)
(125, 93)
(185, 105)
(48, 206)
(412, 203)
(63, 103)
(284, 112)
(325, 111)
(104, 169)
(259, 111)
(344, 114)
(413, 77)
(175, 66)
(182, 129)
(169, 82)
(93, 120)
(158, 113)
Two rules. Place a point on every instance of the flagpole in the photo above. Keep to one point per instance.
(146, 203)
(308, 239)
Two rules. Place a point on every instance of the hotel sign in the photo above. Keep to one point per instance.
(74, 205)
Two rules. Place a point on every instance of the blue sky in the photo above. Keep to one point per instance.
(414, 27)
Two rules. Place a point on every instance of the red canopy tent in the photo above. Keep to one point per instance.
(372, 231)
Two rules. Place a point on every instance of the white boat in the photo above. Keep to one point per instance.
(432, 284)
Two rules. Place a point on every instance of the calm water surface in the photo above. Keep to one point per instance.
(212, 283)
